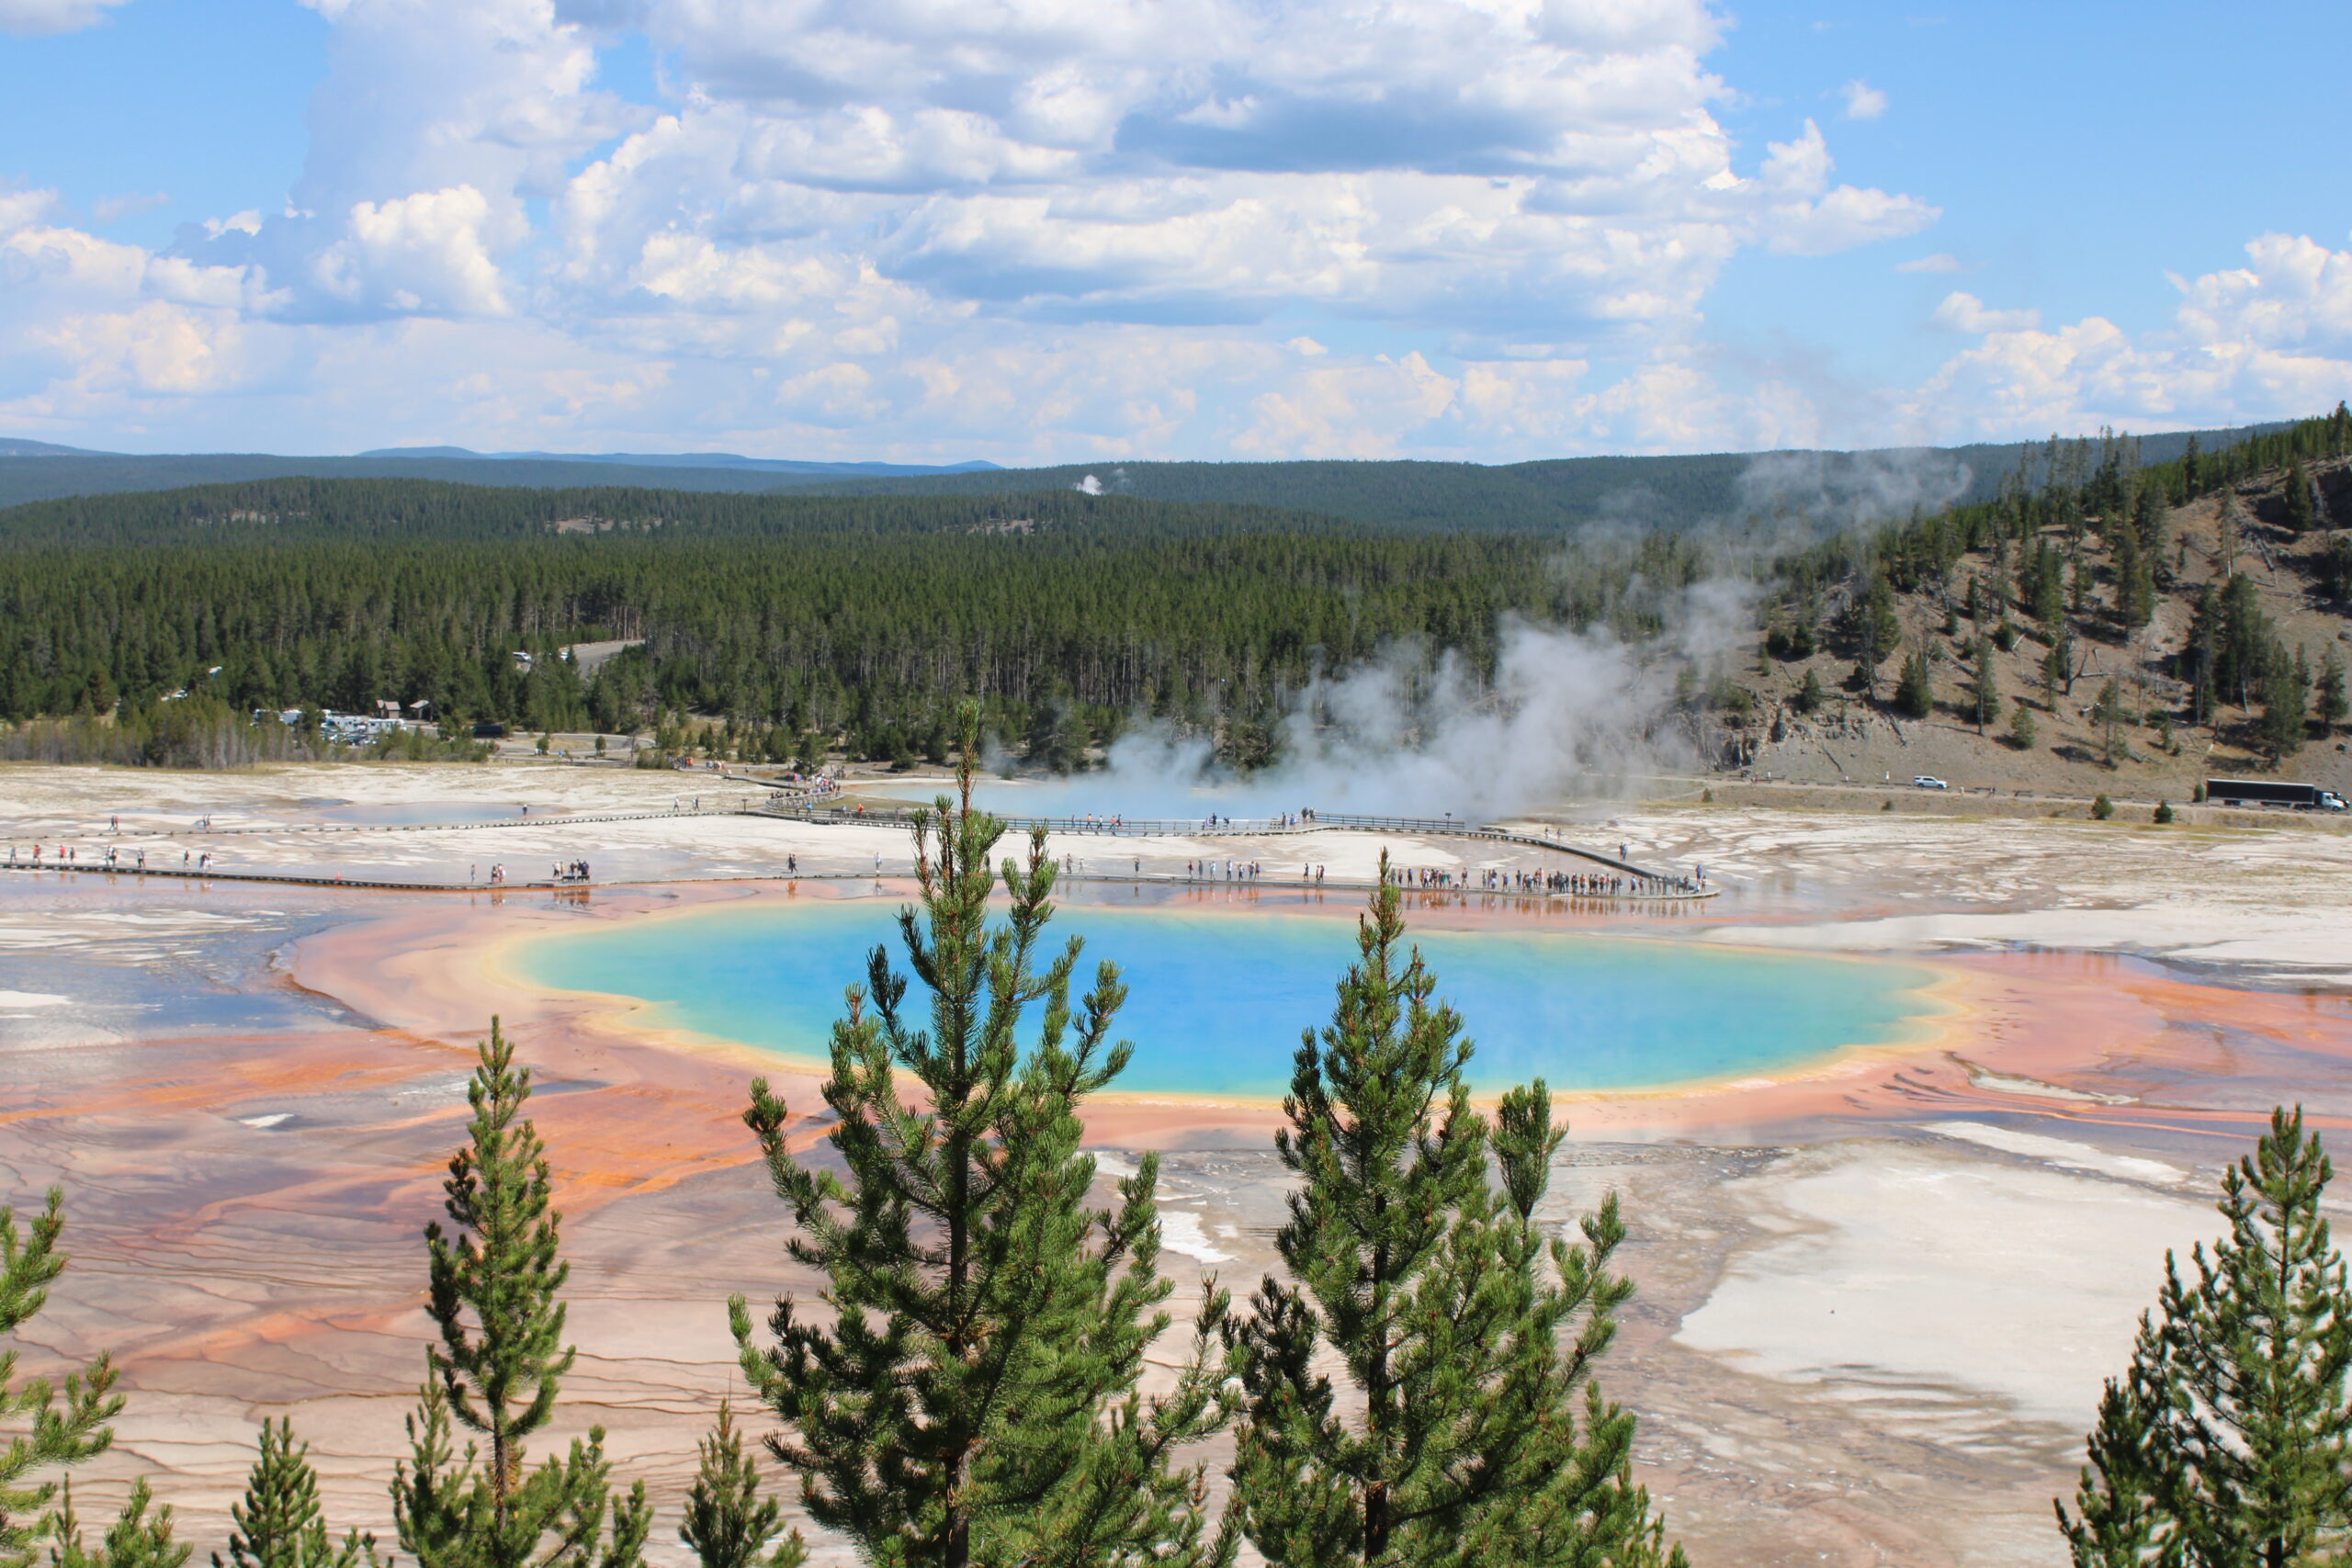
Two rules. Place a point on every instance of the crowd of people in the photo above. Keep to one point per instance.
(1573, 883)
(115, 859)
(1236, 871)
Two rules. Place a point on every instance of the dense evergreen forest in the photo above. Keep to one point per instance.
(779, 628)
(801, 623)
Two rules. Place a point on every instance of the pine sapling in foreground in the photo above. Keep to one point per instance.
(972, 1396)
(495, 1277)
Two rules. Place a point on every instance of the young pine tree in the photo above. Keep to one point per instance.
(2229, 1441)
(495, 1276)
(729, 1522)
(279, 1523)
(1467, 1337)
(56, 1432)
(2285, 687)
(2023, 731)
(1914, 694)
(974, 1399)
(136, 1539)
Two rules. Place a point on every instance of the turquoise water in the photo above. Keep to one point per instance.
(1216, 1000)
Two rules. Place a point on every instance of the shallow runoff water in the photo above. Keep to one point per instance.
(1217, 998)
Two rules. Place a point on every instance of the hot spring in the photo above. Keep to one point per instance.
(1218, 997)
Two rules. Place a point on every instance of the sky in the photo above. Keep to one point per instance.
(1065, 230)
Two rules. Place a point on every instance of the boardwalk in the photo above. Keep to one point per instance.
(1663, 888)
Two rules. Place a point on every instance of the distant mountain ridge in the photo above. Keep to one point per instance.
(685, 461)
(13, 447)
(1638, 494)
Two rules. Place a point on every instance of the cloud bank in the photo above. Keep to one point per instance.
(1036, 230)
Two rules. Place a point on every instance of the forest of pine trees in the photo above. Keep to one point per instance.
(781, 628)
(858, 623)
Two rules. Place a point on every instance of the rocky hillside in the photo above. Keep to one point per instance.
(2161, 634)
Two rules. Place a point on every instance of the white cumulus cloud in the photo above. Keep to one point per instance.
(1039, 230)
(1863, 100)
(35, 18)
(428, 252)
(1964, 312)
(2270, 340)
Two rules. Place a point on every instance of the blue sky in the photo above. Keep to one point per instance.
(1072, 230)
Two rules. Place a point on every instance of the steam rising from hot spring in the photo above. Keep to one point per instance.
(1564, 713)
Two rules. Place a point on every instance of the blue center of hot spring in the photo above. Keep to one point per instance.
(1218, 999)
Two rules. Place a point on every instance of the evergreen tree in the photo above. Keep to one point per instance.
(1914, 694)
(2328, 705)
(1875, 632)
(2135, 583)
(2108, 711)
(2046, 591)
(1809, 696)
(1429, 1286)
(495, 1278)
(2022, 725)
(2058, 667)
(2300, 514)
(2229, 1441)
(2286, 698)
(65, 1431)
(2149, 523)
(136, 1539)
(279, 1523)
(1988, 688)
(729, 1523)
(975, 1399)
(2203, 656)
(2121, 1495)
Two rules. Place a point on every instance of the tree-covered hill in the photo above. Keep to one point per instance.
(1673, 493)
(302, 510)
(45, 476)
(795, 624)
(2124, 626)
(800, 621)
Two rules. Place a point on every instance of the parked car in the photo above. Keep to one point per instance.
(1929, 781)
